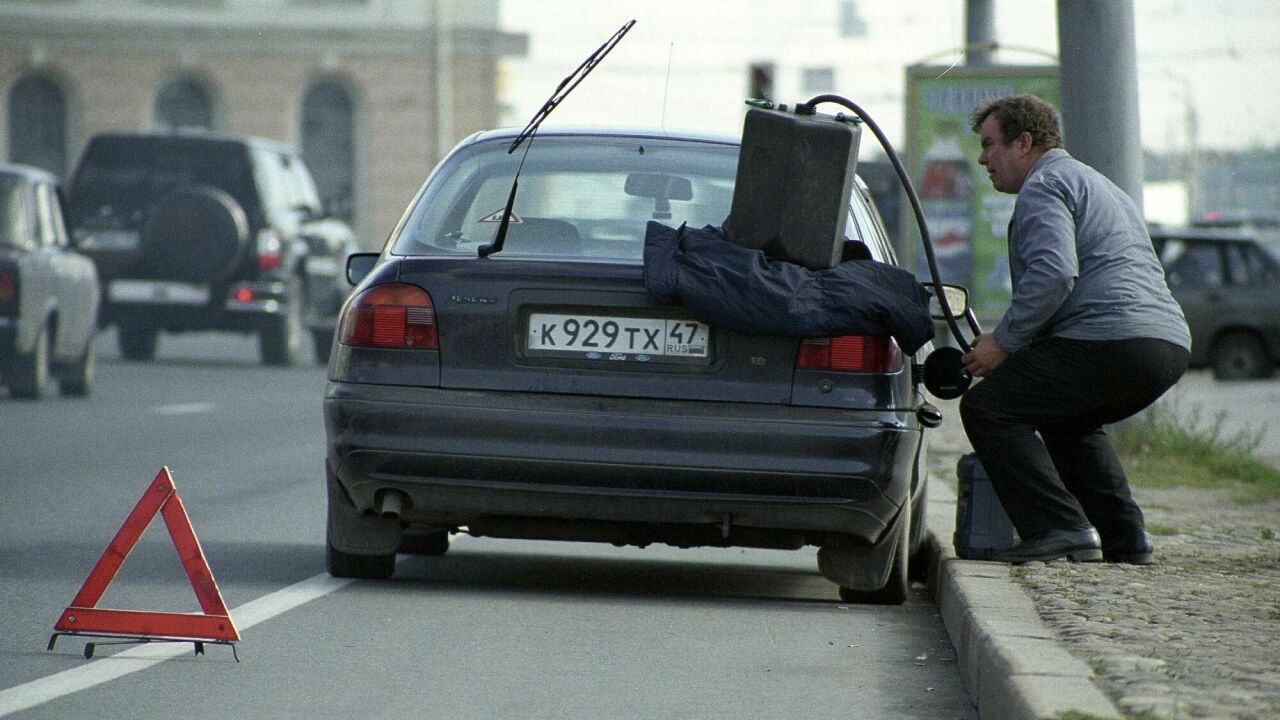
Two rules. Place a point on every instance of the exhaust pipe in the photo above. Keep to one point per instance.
(391, 505)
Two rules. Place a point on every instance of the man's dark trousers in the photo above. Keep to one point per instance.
(1069, 477)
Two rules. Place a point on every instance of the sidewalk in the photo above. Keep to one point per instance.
(1193, 636)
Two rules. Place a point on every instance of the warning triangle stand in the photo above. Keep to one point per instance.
(213, 625)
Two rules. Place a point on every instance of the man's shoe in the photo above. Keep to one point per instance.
(1075, 545)
(1135, 550)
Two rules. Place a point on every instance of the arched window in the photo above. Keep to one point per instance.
(184, 103)
(328, 144)
(38, 124)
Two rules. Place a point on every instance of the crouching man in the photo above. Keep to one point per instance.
(1092, 335)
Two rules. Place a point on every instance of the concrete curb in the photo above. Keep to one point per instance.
(1013, 665)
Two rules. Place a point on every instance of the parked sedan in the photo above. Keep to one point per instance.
(48, 293)
(1225, 280)
(540, 393)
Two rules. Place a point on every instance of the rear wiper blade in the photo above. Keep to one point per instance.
(562, 91)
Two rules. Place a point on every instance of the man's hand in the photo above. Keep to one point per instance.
(985, 357)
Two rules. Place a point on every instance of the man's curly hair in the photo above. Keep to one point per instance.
(1017, 114)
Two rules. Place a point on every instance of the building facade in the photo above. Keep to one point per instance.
(374, 92)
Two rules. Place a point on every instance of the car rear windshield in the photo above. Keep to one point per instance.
(133, 173)
(582, 197)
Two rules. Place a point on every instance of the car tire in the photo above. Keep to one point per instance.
(77, 379)
(196, 233)
(137, 341)
(424, 542)
(280, 341)
(364, 567)
(918, 568)
(898, 586)
(29, 373)
(322, 340)
(1240, 356)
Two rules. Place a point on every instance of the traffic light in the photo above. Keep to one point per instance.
(760, 81)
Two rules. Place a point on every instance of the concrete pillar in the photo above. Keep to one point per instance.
(1099, 79)
(979, 31)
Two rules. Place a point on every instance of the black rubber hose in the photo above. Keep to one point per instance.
(911, 196)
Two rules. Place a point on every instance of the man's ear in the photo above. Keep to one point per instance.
(1025, 142)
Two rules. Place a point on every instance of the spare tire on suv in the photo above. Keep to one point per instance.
(195, 233)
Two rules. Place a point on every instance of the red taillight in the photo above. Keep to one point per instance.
(269, 247)
(8, 287)
(850, 353)
(393, 315)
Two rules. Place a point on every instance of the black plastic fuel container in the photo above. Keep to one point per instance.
(795, 175)
(981, 522)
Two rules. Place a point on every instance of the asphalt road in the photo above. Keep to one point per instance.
(494, 629)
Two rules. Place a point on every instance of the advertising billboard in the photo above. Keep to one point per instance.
(968, 220)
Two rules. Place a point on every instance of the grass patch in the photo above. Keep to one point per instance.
(1078, 715)
(1161, 530)
(1166, 446)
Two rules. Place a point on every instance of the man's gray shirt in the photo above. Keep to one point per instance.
(1082, 263)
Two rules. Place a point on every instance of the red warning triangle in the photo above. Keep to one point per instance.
(82, 617)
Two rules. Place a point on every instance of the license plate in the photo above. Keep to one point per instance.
(614, 337)
(157, 291)
(115, 240)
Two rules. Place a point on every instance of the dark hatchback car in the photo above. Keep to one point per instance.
(48, 292)
(1228, 284)
(540, 393)
(203, 231)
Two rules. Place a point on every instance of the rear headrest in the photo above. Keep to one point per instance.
(543, 236)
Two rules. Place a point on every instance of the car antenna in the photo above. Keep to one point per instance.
(562, 91)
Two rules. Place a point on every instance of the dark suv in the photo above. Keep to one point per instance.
(209, 232)
(1225, 280)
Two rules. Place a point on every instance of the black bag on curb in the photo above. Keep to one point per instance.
(726, 285)
(981, 522)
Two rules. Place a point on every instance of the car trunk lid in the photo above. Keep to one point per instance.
(587, 328)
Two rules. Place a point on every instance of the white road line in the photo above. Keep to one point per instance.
(83, 677)
(181, 408)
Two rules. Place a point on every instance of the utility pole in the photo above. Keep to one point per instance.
(1099, 80)
(442, 46)
(979, 31)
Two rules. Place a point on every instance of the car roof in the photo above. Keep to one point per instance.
(196, 135)
(1219, 234)
(29, 172)
(1238, 217)
(583, 131)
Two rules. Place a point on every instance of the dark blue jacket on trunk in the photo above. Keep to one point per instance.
(730, 286)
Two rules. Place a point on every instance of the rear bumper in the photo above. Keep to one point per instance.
(244, 306)
(463, 458)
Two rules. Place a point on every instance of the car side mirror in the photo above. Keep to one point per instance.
(957, 300)
(359, 265)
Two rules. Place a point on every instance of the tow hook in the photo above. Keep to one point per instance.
(929, 415)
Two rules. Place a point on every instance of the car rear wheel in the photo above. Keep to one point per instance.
(424, 542)
(77, 379)
(29, 373)
(323, 343)
(280, 341)
(137, 341)
(368, 567)
(1240, 356)
(898, 586)
(918, 568)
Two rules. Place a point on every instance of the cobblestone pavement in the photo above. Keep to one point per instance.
(1196, 635)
